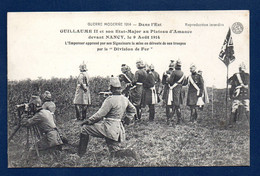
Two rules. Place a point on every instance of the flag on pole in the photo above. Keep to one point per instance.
(226, 54)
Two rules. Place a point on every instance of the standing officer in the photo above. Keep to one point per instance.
(137, 91)
(195, 90)
(127, 77)
(157, 81)
(46, 125)
(82, 95)
(166, 87)
(150, 95)
(239, 93)
(176, 80)
(107, 122)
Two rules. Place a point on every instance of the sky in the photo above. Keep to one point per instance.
(36, 45)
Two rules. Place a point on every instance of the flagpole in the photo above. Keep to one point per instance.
(227, 95)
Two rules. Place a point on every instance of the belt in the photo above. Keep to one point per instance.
(110, 119)
(138, 83)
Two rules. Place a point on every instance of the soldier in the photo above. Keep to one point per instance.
(239, 93)
(127, 77)
(157, 81)
(107, 122)
(48, 103)
(137, 92)
(205, 96)
(150, 95)
(195, 90)
(165, 83)
(176, 81)
(45, 122)
(82, 95)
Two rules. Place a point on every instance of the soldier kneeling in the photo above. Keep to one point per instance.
(44, 120)
(107, 122)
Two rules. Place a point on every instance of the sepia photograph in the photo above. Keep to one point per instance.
(128, 89)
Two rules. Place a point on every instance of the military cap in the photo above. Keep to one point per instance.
(36, 101)
(114, 81)
(178, 63)
(83, 67)
(152, 67)
(242, 66)
(47, 95)
(193, 66)
(140, 63)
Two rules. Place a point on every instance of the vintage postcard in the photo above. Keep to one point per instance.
(128, 89)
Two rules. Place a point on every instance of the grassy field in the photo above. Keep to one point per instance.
(206, 142)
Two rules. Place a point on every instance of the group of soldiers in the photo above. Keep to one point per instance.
(130, 93)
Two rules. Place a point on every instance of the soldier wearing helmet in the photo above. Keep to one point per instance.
(126, 77)
(195, 91)
(157, 80)
(82, 95)
(165, 83)
(45, 122)
(107, 121)
(48, 103)
(174, 100)
(137, 92)
(239, 93)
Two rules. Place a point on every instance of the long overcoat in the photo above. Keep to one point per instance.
(82, 94)
(193, 93)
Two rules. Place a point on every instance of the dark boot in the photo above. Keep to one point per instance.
(168, 114)
(178, 112)
(195, 114)
(191, 115)
(83, 143)
(248, 117)
(232, 119)
(151, 112)
(77, 112)
(84, 112)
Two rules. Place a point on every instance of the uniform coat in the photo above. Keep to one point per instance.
(112, 112)
(176, 75)
(166, 86)
(192, 97)
(137, 93)
(45, 122)
(149, 90)
(244, 92)
(157, 80)
(49, 105)
(82, 94)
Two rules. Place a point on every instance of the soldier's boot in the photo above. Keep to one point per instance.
(195, 114)
(83, 143)
(77, 112)
(191, 115)
(151, 112)
(232, 119)
(248, 117)
(178, 112)
(168, 115)
(84, 112)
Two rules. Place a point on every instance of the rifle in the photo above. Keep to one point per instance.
(105, 94)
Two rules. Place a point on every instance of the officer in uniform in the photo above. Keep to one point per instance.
(46, 125)
(166, 86)
(239, 93)
(150, 95)
(82, 95)
(137, 91)
(127, 78)
(195, 90)
(176, 81)
(107, 121)
(157, 80)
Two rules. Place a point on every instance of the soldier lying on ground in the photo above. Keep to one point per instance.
(107, 122)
